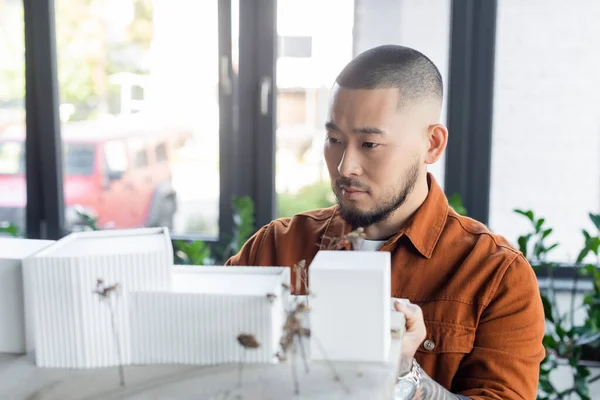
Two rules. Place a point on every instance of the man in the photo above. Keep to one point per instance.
(476, 322)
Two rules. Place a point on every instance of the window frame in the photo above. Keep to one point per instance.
(247, 111)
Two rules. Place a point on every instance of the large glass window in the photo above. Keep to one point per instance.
(138, 83)
(546, 123)
(310, 55)
(431, 39)
(12, 118)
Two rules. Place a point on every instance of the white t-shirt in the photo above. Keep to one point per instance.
(371, 245)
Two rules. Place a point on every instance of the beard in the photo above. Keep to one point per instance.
(357, 218)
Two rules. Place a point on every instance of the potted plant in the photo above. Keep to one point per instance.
(571, 345)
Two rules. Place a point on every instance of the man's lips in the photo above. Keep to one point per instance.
(352, 190)
(352, 193)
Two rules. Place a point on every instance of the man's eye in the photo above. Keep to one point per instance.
(370, 145)
(332, 140)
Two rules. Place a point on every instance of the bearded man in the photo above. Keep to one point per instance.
(475, 321)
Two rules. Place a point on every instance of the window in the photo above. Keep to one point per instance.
(295, 46)
(133, 69)
(401, 22)
(12, 117)
(115, 154)
(311, 54)
(546, 122)
(141, 159)
(79, 159)
(12, 159)
(161, 153)
(304, 78)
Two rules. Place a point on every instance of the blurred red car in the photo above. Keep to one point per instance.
(116, 171)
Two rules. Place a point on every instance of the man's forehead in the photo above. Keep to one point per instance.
(372, 106)
(363, 105)
(383, 95)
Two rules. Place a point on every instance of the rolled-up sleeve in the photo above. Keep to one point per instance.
(505, 360)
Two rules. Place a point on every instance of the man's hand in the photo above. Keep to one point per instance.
(413, 337)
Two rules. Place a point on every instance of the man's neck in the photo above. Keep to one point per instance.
(392, 225)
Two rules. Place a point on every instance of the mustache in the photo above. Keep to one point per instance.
(350, 184)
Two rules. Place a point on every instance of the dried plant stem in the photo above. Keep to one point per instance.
(294, 370)
(240, 369)
(336, 376)
(303, 353)
(117, 343)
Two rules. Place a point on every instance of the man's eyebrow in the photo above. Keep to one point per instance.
(369, 131)
(330, 126)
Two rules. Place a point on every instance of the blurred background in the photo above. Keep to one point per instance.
(152, 95)
(207, 116)
(144, 86)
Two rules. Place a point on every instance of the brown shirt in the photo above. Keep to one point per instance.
(479, 296)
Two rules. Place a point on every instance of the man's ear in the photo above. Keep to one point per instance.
(437, 141)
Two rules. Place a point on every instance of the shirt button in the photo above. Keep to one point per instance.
(429, 345)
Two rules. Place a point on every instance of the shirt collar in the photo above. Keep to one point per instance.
(426, 226)
(423, 229)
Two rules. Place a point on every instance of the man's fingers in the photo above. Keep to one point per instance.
(412, 312)
(409, 309)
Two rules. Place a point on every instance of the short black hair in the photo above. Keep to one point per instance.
(394, 66)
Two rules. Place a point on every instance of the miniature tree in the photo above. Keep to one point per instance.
(106, 293)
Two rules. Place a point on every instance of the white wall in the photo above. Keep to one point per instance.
(546, 135)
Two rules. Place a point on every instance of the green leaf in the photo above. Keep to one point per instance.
(538, 225)
(595, 220)
(528, 214)
(547, 386)
(560, 332)
(575, 357)
(523, 243)
(555, 245)
(192, 253)
(9, 229)
(549, 342)
(455, 201)
(580, 380)
(594, 244)
(548, 309)
(546, 233)
(586, 235)
(588, 269)
(562, 348)
(582, 254)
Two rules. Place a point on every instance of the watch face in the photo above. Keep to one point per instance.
(404, 389)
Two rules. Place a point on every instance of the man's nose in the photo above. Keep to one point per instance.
(349, 164)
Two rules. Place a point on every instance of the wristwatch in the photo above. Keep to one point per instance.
(407, 384)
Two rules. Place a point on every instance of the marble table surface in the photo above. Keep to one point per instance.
(21, 379)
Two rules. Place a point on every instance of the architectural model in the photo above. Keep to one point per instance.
(199, 319)
(163, 314)
(12, 308)
(350, 312)
(69, 325)
(111, 298)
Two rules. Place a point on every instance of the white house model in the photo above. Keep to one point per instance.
(199, 320)
(12, 319)
(166, 314)
(70, 327)
(163, 314)
(350, 313)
